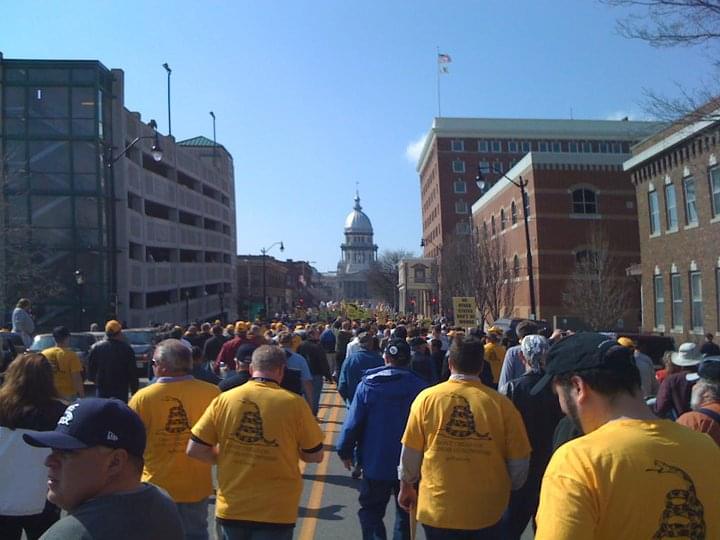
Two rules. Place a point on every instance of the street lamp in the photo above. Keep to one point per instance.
(169, 71)
(221, 297)
(156, 150)
(187, 306)
(214, 138)
(80, 281)
(264, 275)
(522, 184)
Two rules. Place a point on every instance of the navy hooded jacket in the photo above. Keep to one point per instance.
(377, 417)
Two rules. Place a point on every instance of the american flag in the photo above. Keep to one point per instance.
(444, 58)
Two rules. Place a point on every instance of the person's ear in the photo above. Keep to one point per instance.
(118, 459)
(580, 388)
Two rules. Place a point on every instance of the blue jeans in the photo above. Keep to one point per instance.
(374, 497)
(488, 533)
(317, 383)
(257, 533)
(194, 519)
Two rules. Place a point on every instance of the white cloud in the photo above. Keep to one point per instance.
(414, 149)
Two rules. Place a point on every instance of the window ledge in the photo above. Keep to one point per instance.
(697, 332)
(671, 231)
(585, 216)
(655, 235)
(659, 328)
(677, 330)
(716, 219)
(691, 226)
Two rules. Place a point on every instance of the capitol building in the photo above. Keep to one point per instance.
(358, 253)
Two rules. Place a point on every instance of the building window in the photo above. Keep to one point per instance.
(497, 167)
(459, 186)
(525, 147)
(544, 146)
(659, 302)
(516, 266)
(458, 166)
(654, 212)
(603, 148)
(420, 274)
(512, 147)
(462, 228)
(691, 217)
(503, 219)
(586, 147)
(715, 190)
(495, 146)
(513, 213)
(484, 166)
(696, 313)
(671, 207)
(677, 302)
(485, 229)
(573, 147)
(461, 207)
(556, 147)
(526, 205)
(492, 225)
(457, 145)
(584, 201)
(482, 146)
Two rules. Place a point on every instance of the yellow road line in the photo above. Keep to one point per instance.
(322, 416)
(307, 531)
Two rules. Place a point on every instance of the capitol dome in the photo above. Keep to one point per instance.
(357, 221)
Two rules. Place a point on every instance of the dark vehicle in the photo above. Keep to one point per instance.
(15, 339)
(142, 341)
(508, 327)
(653, 346)
(80, 343)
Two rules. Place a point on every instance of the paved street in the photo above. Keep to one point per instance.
(328, 507)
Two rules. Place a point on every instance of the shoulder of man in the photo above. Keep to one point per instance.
(67, 527)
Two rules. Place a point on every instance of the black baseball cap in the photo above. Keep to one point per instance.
(60, 332)
(244, 352)
(708, 369)
(94, 422)
(586, 350)
(398, 349)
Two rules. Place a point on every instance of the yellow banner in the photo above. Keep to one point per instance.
(465, 310)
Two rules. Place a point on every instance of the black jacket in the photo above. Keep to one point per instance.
(111, 365)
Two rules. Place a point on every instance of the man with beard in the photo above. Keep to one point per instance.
(632, 475)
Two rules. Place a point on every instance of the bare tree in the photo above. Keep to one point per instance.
(676, 23)
(383, 275)
(597, 291)
(496, 284)
(476, 265)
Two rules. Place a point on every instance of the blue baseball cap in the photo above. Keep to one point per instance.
(94, 422)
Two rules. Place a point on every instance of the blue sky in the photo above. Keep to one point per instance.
(312, 97)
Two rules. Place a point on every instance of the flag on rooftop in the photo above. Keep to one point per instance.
(444, 58)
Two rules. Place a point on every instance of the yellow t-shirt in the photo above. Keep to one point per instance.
(64, 363)
(495, 355)
(467, 433)
(169, 410)
(261, 429)
(632, 479)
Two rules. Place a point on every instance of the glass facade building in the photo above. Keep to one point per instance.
(152, 241)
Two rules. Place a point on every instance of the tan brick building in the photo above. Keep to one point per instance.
(569, 195)
(677, 181)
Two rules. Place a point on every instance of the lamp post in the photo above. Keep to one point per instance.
(156, 150)
(169, 71)
(522, 184)
(214, 138)
(221, 297)
(264, 252)
(80, 281)
(187, 306)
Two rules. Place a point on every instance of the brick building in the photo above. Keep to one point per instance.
(569, 196)
(417, 289)
(455, 147)
(677, 181)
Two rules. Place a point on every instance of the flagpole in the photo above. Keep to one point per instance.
(437, 69)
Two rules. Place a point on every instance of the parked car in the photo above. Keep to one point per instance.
(142, 341)
(80, 343)
(508, 327)
(652, 345)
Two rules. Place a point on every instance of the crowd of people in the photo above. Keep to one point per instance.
(474, 433)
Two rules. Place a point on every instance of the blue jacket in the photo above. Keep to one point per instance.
(354, 368)
(327, 340)
(376, 420)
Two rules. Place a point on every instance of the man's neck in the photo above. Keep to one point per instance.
(623, 406)
(266, 375)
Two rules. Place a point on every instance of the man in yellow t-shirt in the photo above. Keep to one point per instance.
(494, 352)
(169, 408)
(256, 433)
(468, 445)
(633, 475)
(67, 369)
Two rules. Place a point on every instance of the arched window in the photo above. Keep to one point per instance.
(492, 225)
(503, 219)
(485, 229)
(584, 201)
(513, 213)
(516, 266)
